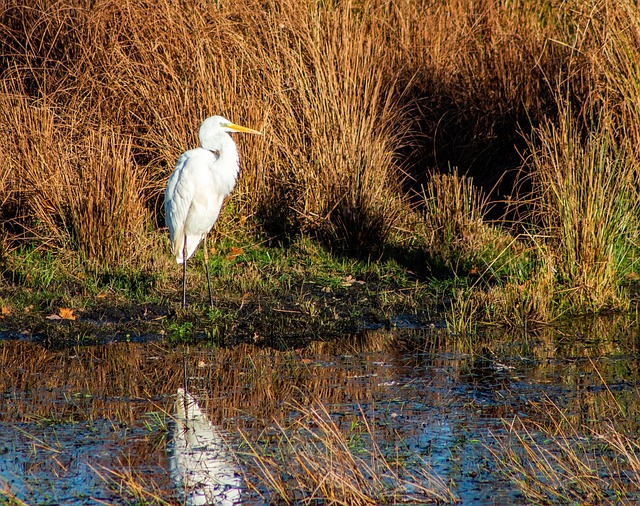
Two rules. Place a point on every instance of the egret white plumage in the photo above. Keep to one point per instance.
(196, 190)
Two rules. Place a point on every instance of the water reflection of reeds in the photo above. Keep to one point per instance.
(248, 383)
(411, 382)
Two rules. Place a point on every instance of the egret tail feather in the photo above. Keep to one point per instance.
(186, 244)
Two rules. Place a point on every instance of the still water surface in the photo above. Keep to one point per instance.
(78, 422)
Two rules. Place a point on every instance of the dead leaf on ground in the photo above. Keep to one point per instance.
(350, 280)
(632, 276)
(234, 252)
(66, 313)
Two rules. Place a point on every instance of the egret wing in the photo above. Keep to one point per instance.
(177, 201)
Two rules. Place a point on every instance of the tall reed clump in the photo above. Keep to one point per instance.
(341, 84)
(311, 76)
(587, 204)
(455, 227)
(585, 166)
(71, 181)
(577, 210)
(72, 188)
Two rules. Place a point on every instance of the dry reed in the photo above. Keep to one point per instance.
(309, 78)
(317, 460)
(564, 461)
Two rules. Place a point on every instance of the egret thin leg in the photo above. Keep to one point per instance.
(206, 268)
(184, 273)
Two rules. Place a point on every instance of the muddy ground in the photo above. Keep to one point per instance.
(279, 322)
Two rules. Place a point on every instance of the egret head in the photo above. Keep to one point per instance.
(215, 126)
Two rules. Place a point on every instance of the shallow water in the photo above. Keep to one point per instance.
(84, 424)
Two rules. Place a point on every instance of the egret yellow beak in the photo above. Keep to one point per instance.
(239, 128)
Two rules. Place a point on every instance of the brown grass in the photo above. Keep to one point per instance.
(579, 451)
(454, 226)
(360, 103)
(317, 459)
(561, 460)
(132, 485)
(309, 78)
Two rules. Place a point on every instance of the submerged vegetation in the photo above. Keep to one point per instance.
(492, 143)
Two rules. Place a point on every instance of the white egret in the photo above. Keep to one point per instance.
(196, 190)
